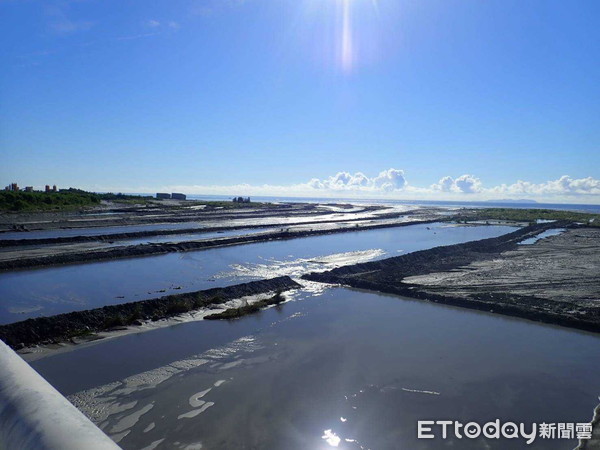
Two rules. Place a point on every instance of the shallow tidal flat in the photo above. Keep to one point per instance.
(61, 289)
(329, 365)
(554, 280)
(564, 268)
(59, 238)
(361, 367)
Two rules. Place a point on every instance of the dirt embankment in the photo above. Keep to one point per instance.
(102, 217)
(163, 248)
(244, 310)
(138, 215)
(109, 237)
(392, 276)
(62, 327)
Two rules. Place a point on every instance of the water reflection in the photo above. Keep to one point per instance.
(545, 234)
(349, 368)
(62, 289)
(331, 438)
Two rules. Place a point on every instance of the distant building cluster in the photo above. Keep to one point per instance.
(241, 200)
(14, 187)
(174, 196)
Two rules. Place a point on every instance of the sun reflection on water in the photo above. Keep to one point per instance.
(331, 438)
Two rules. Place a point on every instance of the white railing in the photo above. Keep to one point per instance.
(34, 415)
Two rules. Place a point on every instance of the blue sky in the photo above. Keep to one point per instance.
(406, 99)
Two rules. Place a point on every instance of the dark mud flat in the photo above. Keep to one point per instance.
(151, 233)
(554, 281)
(62, 327)
(163, 248)
(236, 313)
(158, 212)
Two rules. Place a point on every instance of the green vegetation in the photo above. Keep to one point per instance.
(236, 313)
(80, 333)
(125, 198)
(65, 199)
(528, 215)
(36, 201)
(73, 199)
(135, 316)
(179, 307)
(113, 322)
(119, 320)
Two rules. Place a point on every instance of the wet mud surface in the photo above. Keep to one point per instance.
(19, 262)
(164, 212)
(62, 327)
(554, 280)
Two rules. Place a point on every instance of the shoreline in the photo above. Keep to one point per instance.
(184, 211)
(85, 324)
(152, 249)
(168, 232)
(389, 276)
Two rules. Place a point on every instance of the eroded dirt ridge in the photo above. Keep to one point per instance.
(555, 280)
(62, 327)
(164, 212)
(128, 251)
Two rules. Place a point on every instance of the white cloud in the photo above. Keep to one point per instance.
(153, 23)
(446, 184)
(564, 185)
(390, 180)
(466, 184)
(392, 183)
(387, 181)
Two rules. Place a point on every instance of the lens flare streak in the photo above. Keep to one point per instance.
(348, 44)
(347, 48)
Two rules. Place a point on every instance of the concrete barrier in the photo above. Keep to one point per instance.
(34, 415)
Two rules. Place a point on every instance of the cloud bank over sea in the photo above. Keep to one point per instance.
(394, 183)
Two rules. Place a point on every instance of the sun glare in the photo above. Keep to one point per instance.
(347, 50)
(347, 40)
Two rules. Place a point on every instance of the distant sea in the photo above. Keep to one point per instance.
(486, 204)
(369, 201)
